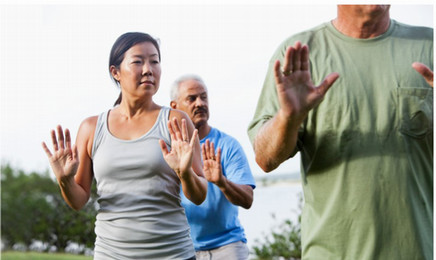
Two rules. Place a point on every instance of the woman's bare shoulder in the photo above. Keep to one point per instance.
(89, 124)
(177, 114)
(85, 135)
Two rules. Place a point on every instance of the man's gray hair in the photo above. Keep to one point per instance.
(174, 94)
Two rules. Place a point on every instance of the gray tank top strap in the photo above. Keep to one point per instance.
(162, 122)
(99, 131)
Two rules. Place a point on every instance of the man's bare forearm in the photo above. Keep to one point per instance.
(237, 194)
(276, 141)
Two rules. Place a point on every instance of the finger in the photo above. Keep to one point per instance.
(171, 130)
(328, 82)
(47, 151)
(203, 151)
(305, 58)
(209, 154)
(296, 58)
(208, 147)
(194, 138)
(425, 71)
(54, 140)
(163, 147)
(277, 73)
(287, 64)
(218, 155)
(184, 130)
(67, 138)
(60, 137)
(176, 129)
(212, 151)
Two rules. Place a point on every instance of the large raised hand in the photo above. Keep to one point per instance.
(181, 154)
(296, 92)
(64, 160)
(212, 163)
(297, 95)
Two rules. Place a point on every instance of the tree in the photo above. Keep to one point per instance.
(33, 209)
(23, 205)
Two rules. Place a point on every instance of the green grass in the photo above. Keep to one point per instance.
(10, 255)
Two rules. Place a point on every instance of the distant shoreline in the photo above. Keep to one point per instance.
(278, 179)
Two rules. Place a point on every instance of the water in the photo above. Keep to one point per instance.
(280, 199)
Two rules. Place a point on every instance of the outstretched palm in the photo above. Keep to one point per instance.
(212, 163)
(181, 154)
(296, 92)
(64, 160)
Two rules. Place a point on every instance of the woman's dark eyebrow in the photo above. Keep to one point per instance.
(140, 55)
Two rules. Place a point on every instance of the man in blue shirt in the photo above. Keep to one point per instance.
(215, 227)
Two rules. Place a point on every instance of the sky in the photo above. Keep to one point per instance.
(54, 62)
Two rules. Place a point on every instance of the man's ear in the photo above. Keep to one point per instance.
(114, 73)
(173, 104)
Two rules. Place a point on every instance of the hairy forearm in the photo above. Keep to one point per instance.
(275, 141)
(194, 187)
(237, 194)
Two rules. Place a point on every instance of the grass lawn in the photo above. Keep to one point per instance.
(12, 255)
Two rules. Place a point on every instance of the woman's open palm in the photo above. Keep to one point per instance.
(64, 160)
(181, 154)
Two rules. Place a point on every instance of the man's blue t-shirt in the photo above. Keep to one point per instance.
(215, 222)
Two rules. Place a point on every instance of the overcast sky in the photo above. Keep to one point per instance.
(53, 62)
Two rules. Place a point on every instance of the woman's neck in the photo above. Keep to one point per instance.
(133, 108)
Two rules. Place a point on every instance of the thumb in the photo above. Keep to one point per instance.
(425, 71)
(163, 147)
(328, 82)
(75, 153)
(277, 73)
(194, 139)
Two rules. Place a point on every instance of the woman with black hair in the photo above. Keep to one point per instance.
(139, 156)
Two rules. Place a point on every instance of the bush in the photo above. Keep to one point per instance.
(33, 211)
(284, 242)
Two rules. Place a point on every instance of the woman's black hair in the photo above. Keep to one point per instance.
(124, 43)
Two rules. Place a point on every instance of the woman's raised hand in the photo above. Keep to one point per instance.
(182, 150)
(64, 160)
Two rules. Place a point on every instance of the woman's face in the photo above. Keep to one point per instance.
(139, 72)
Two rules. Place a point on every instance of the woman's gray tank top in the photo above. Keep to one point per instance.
(140, 215)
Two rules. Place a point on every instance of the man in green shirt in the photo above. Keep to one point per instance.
(366, 143)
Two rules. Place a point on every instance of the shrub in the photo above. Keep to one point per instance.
(284, 242)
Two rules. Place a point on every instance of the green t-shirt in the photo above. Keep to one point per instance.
(367, 149)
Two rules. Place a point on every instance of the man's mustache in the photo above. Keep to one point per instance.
(200, 110)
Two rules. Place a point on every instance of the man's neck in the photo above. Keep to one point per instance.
(361, 26)
(203, 130)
